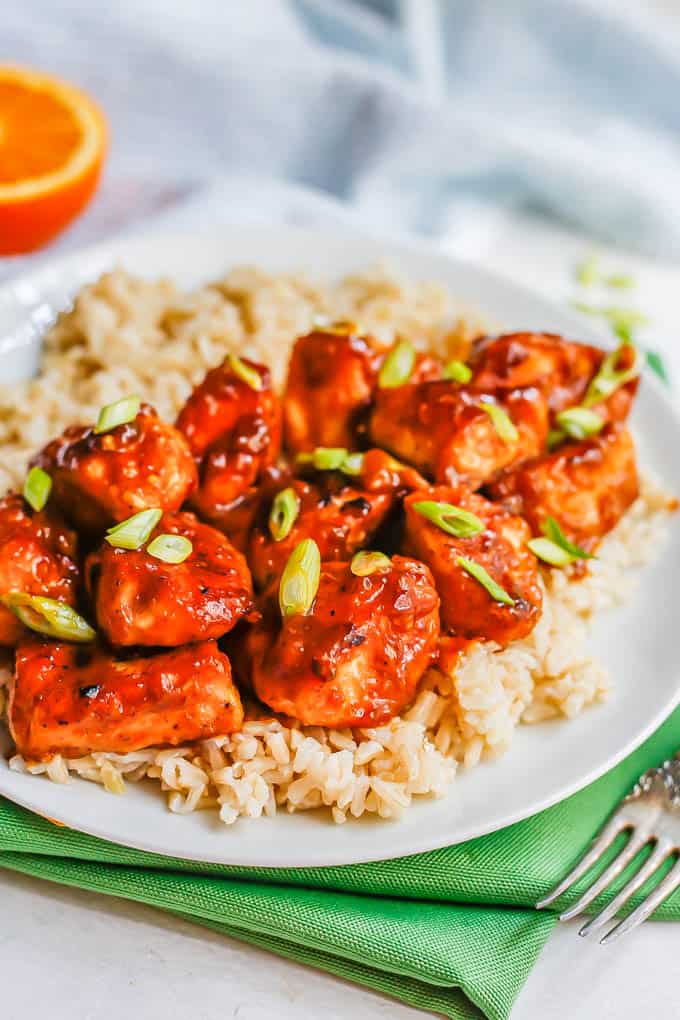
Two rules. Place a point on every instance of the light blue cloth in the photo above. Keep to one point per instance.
(416, 111)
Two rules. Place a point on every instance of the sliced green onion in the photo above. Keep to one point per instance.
(555, 548)
(621, 320)
(553, 531)
(300, 579)
(458, 371)
(366, 563)
(579, 422)
(353, 464)
(555, 438)
(609, 378)
(48, 616)
(333, 458)
(501, 421)
(245, 373)
(588, 271)
(656, 363)
(549, 552)
(397, 366)
(283, 514)
(170, 548)
(37, 488)
(134, 532)
(451, 519)
(620, 281)
(477, 571)
(119, 413)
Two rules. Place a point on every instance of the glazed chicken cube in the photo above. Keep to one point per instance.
(142, 600)
(585, 486)
(73, 699)
(232, 422)
(101, 479)
(356, 657)
(467, 607)
(561, 369)
(445, 431)
(37, 556)
(340, 519)
(332, 378)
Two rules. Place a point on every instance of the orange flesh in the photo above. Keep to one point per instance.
(38, 132)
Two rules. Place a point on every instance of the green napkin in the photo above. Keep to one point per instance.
(452, 931)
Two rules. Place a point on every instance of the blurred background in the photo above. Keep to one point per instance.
(449, 118)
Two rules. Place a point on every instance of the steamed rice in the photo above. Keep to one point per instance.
(124, 335)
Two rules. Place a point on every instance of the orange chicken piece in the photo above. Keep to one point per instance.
(444, 431)
(585, 486)
(99, 480)
(233, 428)
(75, 699)
(141, 600)
(356, 657)
(37, 556)
(467, 608)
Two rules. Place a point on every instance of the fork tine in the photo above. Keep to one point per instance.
(663, 890)
(657, 857)
(629, 851)
(597, 848)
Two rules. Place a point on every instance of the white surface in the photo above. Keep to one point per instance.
(483, 799)
(101, 959)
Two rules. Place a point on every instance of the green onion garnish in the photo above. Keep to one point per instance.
(134, 532)
(353, 464)
(37, 488)
(477, 571)
(48, 616)
(458, 371)
(621, 320)
(300, 579)
(366, 563)
(501, 421)
(333, 458)
(397, 366)
(588, 271)
(555, 548)
(283, 514)
(119, 413)
(609, 378)
(170, 548)
(245, 373)
(451, 519)
(579, 422)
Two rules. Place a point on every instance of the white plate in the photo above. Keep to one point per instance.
(546, 762)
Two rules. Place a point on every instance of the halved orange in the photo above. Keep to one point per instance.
(52, 145)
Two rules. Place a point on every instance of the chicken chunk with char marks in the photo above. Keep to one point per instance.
(445, 432)
(356, 657)
(37, 556)
(585, 486)
(141, 600)
(232, 422)
(72, 699)
(561, 369)
(467, 608)
(101, 479)
(341, 514)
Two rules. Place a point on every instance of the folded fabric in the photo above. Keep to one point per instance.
(417, 111)
(452, 931)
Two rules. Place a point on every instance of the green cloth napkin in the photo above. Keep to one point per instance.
(452, 931)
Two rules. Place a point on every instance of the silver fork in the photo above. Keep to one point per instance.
(651, 814)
